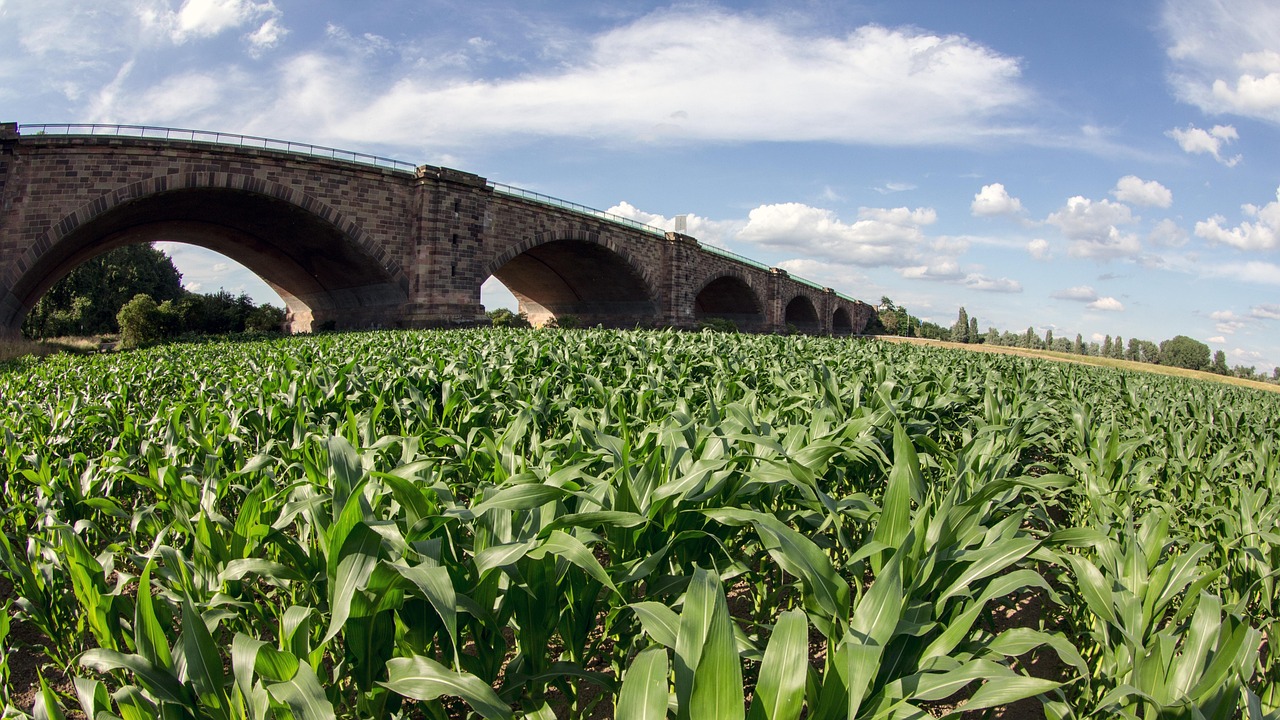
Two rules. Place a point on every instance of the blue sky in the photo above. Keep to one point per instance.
(1091, 167)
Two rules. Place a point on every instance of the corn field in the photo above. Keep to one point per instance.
(644, 525)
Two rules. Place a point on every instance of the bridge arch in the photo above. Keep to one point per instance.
(582, 274)
(802, 315)
(841, 322)
(729, 296)
(321, 263)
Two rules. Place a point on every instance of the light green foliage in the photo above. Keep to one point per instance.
(493, 523)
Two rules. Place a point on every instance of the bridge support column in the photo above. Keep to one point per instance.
(450, 245)
(679, 258)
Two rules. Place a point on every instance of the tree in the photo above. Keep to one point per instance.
(1117, 348)
(1106, 347)
(86, 300)
(503, 317)
(974, 335)
(1079, 348)
(1032, 340)
(1220, 363)
(1133, 353)
(960, 330)
(140, 322)
(1184, 352)
(993, 336)
(1048, 338)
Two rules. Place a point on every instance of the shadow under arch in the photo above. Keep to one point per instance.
(841, 322)
(729, 297)
(587, 279)
(316, 260)
(802, 315)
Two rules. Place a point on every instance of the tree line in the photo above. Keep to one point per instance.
(140, 285)
(1179, 351)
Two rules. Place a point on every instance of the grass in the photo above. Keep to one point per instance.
(12, 348)
(1090, 360)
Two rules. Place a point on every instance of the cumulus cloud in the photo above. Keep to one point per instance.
(879, 237)
(993, 199)
(206, 18)
(1092, 228)
(1135, 190)
(1264, 234)
(1227, 322)
(1217, 339)
(1108, 304)
(706, 230)
(1225, 55)
(1040, 249)
(1079, 293)
(1194, 140)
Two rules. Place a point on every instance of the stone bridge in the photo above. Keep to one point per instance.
(354, 241)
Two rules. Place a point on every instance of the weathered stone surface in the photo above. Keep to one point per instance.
(352, 246)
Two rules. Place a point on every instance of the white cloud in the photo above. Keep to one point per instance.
(206, 18)
(894, 187)
(711, 232)
(975, 281)
(993, 199)
(1261, 235)
(1253, 271)
(880, 236)
(944, 270)
(1167, 233)
(1224, 55)
(1217, 339)
(1080, 293)
(1109, 304)
(1040, 249)
(737, 78)
(1265, 312)
(1135, 190)
(1227, 322)
(267, 36)
(1092, 228)
(1194, 140)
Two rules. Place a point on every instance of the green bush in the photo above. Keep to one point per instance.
(141, 322)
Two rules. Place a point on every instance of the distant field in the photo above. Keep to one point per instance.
(1089, 360)
(635, 524)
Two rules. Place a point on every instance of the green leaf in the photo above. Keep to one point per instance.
(571, 548)
(644, 686)
(988, 561)
(46, 705)
(717, 682)
(659, 621)
(783, 672)
(160, 683)
(152, 643)
(203, 664)
(303, 695)
(526, 496)
(436, 586)
(356, 562)
(422, 678)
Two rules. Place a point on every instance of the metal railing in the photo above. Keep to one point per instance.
(320, 151)
(512, 191)
(716, 250)
(216, 138)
